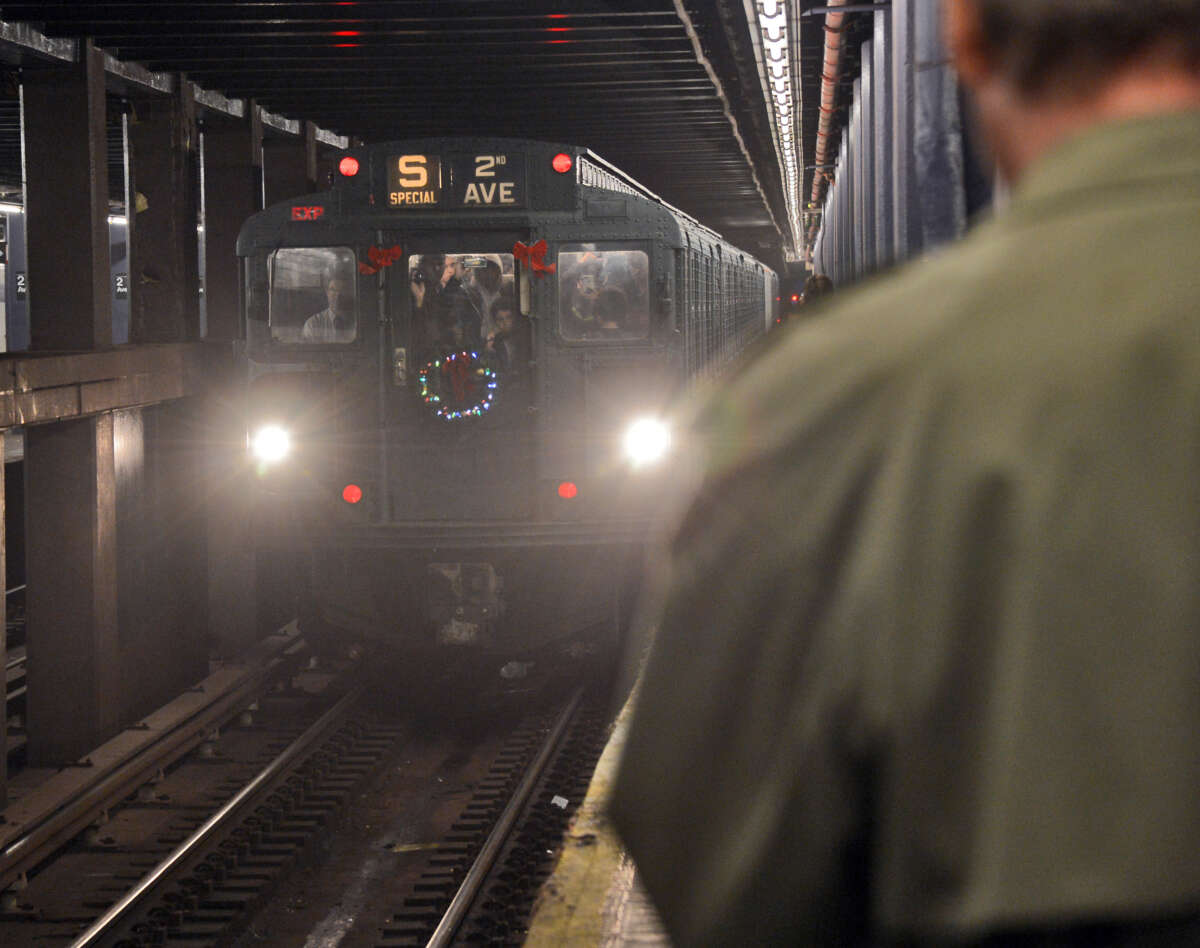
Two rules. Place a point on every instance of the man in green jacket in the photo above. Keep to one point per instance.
(927, 660)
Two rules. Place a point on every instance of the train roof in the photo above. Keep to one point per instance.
(368, 181)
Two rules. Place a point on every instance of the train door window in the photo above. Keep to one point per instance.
(312, 298)
(465, 300)
(603, 294)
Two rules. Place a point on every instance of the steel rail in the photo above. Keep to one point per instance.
(51, 830)
(184, 850)
(473, 881)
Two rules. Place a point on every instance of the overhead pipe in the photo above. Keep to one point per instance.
(829, 79)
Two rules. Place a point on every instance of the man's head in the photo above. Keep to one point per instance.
(1043, 69)
(452, 268)
(339, 293)
(817, 285)
(490, 274)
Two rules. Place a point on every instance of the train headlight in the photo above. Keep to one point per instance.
(646, 441)
(270, 444)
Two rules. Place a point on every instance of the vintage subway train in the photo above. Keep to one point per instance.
(460, 364)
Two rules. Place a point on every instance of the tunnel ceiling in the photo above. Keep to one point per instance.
(631, 79)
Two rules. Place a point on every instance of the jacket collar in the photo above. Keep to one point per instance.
(1147, 150)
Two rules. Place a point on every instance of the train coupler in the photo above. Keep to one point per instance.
(464, 602)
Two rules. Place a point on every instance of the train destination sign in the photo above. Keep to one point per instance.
(414, 181)
(492, 180)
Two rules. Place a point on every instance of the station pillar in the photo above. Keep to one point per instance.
(3, 638)
(233, 170)
(164, 186)
(73, 668)
(66, 203)
(160, 563)
(290, 165)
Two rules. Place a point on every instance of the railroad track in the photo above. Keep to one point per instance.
(468, 869)
(82, 840)
(198, 854)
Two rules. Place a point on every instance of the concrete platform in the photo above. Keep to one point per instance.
(593, 897)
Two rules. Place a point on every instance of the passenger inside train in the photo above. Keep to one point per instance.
(603, 295)
(312, 295)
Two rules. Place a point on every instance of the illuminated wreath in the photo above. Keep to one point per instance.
(458, 385)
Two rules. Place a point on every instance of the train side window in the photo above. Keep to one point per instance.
(603, 295)
(312, 298)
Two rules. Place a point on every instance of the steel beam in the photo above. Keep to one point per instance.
(290, 166)
(233, 187)
(881, 77)
(163, 238)
(73, 669)
(937, 135)
(40, 390)
(3, 638)
(161, 572)
(66, 202)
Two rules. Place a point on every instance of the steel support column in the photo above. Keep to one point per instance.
(290, 165)
(73, 668)
(233, 170)
(163, 597)
(232, 192)
(163, 249)
(907, 220)
(881, 77)
(232, 577)
(937, 134)
(66, 203)
(3, 638)
(866, 159)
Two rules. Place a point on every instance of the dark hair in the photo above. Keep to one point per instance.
(1066, 46)
(817, 285)
(612, 306)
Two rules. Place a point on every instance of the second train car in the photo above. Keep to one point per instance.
(460, 367)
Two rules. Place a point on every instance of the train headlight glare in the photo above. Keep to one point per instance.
(271, 444)
(647, 441)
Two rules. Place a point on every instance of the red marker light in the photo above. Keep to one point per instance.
(795, 297)
(567, 490)
(348, 166)
(352, 493)
(562, 162)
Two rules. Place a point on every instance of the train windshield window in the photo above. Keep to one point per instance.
(603, 295)
(312, 295)
(464, 299)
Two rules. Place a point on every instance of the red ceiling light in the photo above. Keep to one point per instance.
(567, 490)
(352, 493)
(348, 166)
(562, 162)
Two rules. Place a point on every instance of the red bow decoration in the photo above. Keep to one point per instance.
(534, 256)
(380, 257)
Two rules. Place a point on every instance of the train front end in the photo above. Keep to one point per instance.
(458, 382)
